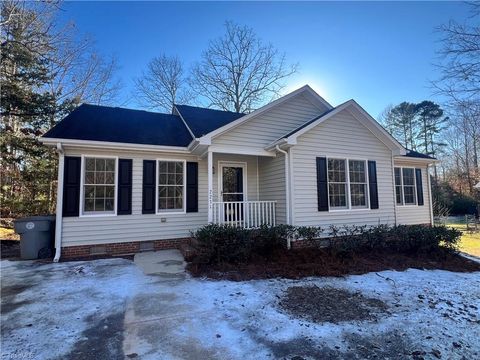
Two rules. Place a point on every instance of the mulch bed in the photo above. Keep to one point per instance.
(298, 263)
(328, 304)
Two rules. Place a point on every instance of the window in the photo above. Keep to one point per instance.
(398, 186)
(347, 187)
(405, 188)
(358, 183)
(99, 185)
(337, 183)
(171, 186)
(409, 186)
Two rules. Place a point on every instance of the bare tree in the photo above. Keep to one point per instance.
(459, 65)
(80, 73)
(238, 72)
(163, 84)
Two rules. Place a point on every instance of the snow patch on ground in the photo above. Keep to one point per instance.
(54, 310)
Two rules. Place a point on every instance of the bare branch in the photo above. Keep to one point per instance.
(238, 72)
(163, 84)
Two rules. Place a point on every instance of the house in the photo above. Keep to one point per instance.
(132, 180)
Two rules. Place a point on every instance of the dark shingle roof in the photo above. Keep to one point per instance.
(112, 124)
(415, 154)
(202, 121)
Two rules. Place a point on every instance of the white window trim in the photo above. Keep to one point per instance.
(220, 166)
(349, 200)
(395, 186)
(403, 190)
(175, 212)
(347, 186)
(82, 187)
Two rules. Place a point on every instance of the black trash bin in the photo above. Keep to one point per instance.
(36, 236)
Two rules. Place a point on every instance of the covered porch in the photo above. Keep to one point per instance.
(245, 190)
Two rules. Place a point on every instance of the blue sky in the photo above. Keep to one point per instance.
(378, 53)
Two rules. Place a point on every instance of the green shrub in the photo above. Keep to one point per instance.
(221, 243)
(227, 244)
(408, 239)
(224, 243)
(418, 238)
(375, 237)
(308, 233)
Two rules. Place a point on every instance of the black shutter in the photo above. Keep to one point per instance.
(372, 184)
(322, 184)
(192, 187)
(124, 203)
(418, 179)
(71, 186)
(149, 183)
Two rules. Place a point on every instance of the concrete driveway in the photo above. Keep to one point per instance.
(112, 309)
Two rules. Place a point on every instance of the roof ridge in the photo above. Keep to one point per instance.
(124, 108)
(205, 108)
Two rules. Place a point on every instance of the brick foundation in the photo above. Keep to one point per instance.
(301, 244)
(120, 249)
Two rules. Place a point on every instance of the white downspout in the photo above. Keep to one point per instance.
(58, 219)
(287, 189)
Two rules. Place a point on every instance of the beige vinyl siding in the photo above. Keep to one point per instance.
(137, 226)
(273, 124)
(341, 136)
(250, 178)
(143, 227)
(414, 214)
(271, 175)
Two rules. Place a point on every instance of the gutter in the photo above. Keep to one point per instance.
(114, 145)
(287, 188)
(59, 210)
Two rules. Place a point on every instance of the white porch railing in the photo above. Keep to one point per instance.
(246, 214)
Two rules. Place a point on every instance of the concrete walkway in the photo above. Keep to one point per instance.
(166, 264)
(148, 315)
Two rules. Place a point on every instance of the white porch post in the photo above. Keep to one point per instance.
(210, 185)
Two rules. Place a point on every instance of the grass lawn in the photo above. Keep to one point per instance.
(470, 242)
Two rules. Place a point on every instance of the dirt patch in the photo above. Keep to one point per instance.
(328, 304)
(298, 263)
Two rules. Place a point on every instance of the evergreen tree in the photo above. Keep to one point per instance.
(430, 124)
(24, 109)
(45, 73)
(400, 122)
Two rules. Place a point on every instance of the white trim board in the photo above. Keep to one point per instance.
(174, 212)
(82, 187)
(114, 145)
